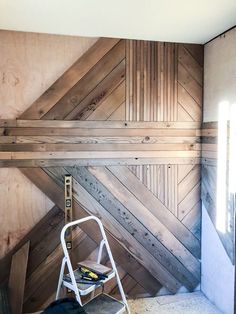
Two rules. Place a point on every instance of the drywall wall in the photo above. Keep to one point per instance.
(29, 64)
(217, 279)
(219, 74)
(219, 88)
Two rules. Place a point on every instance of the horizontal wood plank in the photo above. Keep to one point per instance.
(97, 124)
(100, 147)
(98, 154)
(36, 131)
(35, 163)
(98, 140)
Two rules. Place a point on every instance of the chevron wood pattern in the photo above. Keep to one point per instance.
(163, 82)
(124, 121)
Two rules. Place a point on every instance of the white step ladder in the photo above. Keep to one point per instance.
(103, 303)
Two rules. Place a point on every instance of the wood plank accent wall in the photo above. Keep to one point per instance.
(163, 81)
(137, 169)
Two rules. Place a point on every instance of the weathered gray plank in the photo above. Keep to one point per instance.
(131, 223)
(157, 208)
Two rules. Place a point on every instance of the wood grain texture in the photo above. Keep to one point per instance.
(17, 278)
(103, 68)
(69, 79)
(43, 238)
(54, 190)
(23, 206)
(153, 92)
(28, 66)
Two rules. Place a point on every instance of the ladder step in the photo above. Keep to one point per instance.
(104, 304)
(85, 288)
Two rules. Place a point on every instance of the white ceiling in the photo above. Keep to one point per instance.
(195, 21)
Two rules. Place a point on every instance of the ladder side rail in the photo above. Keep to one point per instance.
(113, 264)
(68, 261)
(59, 286)
(101, 246)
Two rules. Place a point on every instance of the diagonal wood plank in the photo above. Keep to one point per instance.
(99, 94)
(191, 199)
(126, 260)
(185, 57)
(183, 115)
(110, 104)
(17, 278)
(126, 233)
(188, 182)
(157, 209)
(38, 236)
(118, 114)
(183, 171)
(50, 97)
(37, 287)
(191, 107)
(197, 51)
(189, 84)
(193, 220)
(168, 242)
(88, 83)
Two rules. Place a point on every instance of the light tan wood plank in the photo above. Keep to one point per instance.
(110, 104)
(101, 132)
(189, 104)
(101, 140)
(98, 154)
(189, 201)
(118, 114)
(35, 163)
(104, 124)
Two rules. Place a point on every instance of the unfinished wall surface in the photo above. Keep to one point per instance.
(218, 147)
(28, 66)
(133, 152)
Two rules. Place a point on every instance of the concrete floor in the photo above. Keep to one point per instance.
(186, 303)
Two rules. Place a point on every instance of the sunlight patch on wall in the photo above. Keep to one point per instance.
(221, 201)
(226, 167)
